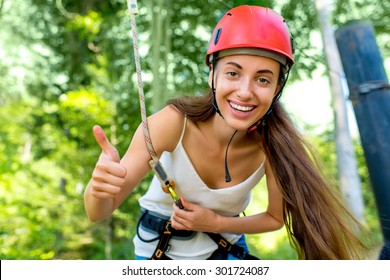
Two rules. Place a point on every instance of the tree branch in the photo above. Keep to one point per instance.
(1, 6)
(62, 10)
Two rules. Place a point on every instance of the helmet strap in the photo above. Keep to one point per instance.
(263, 121)
(277, 96)
(260, 123)
(215, 105)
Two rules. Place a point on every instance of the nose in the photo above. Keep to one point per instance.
(245, 90)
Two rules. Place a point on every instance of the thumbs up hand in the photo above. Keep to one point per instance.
(109, 175)
(106, 146)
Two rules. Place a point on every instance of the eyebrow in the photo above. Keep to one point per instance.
(240, 67)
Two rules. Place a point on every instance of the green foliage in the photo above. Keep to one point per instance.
(375, 12)
(68, 65)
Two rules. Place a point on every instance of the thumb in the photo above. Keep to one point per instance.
(187, 206)
(106, 146)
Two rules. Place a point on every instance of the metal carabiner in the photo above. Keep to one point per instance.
(167, 184)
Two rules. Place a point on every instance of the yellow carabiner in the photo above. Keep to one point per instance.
(170, 187)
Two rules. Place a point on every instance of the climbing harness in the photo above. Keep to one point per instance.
(152, 222)
(167, 184)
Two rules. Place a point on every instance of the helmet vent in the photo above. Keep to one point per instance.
(217, 35)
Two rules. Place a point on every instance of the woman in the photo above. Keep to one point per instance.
(217, 147)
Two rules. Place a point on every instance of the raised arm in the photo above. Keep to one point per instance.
(114, 179)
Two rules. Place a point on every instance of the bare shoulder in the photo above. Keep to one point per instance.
(165, 128)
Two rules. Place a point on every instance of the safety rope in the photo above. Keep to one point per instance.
(167, 184)
(133, 10)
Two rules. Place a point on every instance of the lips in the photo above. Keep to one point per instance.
(241, 108)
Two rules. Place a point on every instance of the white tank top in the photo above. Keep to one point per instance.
(227, 202)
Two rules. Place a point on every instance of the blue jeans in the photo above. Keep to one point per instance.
(241, 242)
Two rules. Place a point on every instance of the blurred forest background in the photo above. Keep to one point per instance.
(66, 65)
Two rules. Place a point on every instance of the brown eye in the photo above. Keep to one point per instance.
(264, 81)
(231, 74)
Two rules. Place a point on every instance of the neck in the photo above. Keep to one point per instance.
(225, 140)
(221, 132)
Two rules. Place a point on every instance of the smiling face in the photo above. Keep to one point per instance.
(245, 86)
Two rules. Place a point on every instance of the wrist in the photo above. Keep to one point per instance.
(218, 224)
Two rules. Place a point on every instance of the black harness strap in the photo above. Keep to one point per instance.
(233, 249)
(224, 246)
(163, 244)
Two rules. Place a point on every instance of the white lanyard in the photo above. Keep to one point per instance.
(167, 184)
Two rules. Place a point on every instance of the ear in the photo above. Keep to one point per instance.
(278, 88)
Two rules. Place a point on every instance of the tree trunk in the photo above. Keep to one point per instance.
(370, 96)
(160, 53)
(350, 183)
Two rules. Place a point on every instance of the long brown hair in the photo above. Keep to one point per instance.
(318, 224)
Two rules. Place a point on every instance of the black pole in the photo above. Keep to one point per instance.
(370, 96)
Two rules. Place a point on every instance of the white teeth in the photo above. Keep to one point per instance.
(241, 108)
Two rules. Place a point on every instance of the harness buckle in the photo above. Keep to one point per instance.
(168, 228)
(223, 243)
(159, 253)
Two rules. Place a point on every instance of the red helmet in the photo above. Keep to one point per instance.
(252, 30)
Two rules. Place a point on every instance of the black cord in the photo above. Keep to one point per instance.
(215, 105)
(227, 174)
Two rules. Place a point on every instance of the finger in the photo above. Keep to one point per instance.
(106, 165)
(106, 146)
(176, 223)
(187, 206)
(109, 177)
(104, 190)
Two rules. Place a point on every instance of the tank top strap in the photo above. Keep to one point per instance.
(184, 129)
